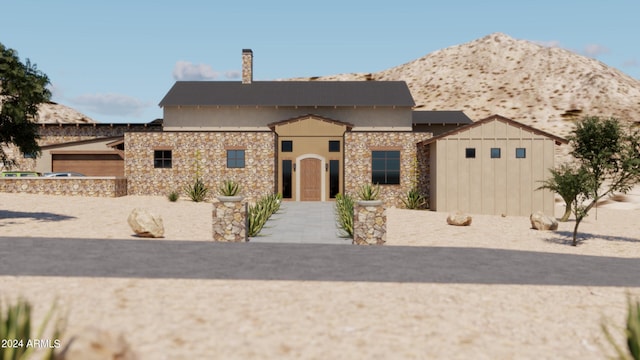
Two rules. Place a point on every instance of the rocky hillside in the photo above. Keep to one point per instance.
(53, 113)
(541, 86)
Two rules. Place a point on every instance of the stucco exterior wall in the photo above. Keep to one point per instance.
(203, 153)
(203, 118)
(358, 147)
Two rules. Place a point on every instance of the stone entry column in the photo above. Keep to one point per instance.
(369, 223)
(229, 221)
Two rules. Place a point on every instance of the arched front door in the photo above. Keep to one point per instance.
(310, 179)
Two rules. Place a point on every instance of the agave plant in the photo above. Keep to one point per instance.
(344, 210)
(369, 192)
(631, 332)
(197, 191)
(229, 188)
(414, 200)
(261, 211)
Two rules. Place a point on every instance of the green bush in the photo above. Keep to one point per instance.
(414, 200)
(631, 332)
(344, 211)
(197, 191)
(15, 326)
(173, 196)
(261, 211)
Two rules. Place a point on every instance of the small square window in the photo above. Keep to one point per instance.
(495, 153)
(235, 158)
(162, 159)
(286, 146)
(470, 153)
(521, 153)
(334, 146)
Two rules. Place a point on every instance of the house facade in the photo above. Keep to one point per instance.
(306, 140)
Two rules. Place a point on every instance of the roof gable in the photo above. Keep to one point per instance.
(558, 140)
(289, 93)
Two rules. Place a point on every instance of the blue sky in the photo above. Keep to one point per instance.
(115, 60)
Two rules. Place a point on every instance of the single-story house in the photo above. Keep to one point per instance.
(310, 140)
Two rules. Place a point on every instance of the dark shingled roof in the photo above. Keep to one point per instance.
(440, 118)
(289, 93)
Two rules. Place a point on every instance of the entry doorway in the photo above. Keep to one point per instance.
(310, 179)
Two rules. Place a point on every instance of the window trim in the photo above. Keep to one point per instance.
(386, 170)
(234, 160)
(162, 161)
(334, 142)
(289, 142)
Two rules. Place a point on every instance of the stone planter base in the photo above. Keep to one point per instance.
(369, 223)
(229, 221)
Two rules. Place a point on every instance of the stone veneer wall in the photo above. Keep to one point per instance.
(369, 224)
(203, 152)
(229, 221)
(79, 186)
(357, 163)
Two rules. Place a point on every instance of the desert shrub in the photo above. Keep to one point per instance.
(197, 191)
(229, 188)
(173, 196)
(15, 327)
(631, 332)
(414, 200)
(344, 213)
(369, 192)
(261, 211)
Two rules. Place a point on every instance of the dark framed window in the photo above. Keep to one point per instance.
(29, 155)
(521, 153)
(235, 158)
(470, 153)
(162, 159)
(495, 153)
(286, 146)
(334, 145)
(385, 167)
(334, 178)
(286, 178)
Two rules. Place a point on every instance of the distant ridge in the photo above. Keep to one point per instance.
(541, 86)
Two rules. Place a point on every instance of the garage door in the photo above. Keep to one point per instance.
(89, 164)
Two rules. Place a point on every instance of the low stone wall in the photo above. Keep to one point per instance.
(76, 186)
(369, 224)
(229, 221)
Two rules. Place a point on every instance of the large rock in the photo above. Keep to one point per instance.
(540, 221)
(145, 223)
(459, 218)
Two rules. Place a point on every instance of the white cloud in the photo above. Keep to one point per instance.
(550, 43)
(185, 70)
(111, 104)
(232, 74)
(595, 50)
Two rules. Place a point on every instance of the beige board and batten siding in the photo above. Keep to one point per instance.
(485, 185)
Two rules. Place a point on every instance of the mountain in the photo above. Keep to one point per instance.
(541, 86)
(53, 113)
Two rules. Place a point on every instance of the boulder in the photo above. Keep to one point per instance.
(145, 223)
(459, 218)
(540, 221)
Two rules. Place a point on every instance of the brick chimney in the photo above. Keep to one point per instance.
(247, 66)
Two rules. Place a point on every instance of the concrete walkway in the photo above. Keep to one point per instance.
(301, 222)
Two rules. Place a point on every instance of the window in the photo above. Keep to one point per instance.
(235, 158)
(286, 179)
(334, 146)
(521, 153)
(334, 178)
(286, 146)
(162, 159)
(385, 167)
(495, 153)
(29, 155)
(470, 153)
